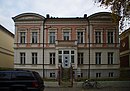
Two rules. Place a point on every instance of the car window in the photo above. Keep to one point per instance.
(38, 77)
(5, 75)
(23, 76)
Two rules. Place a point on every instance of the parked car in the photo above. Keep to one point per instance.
(20, 80)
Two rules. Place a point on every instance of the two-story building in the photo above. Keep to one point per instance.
(90, 45)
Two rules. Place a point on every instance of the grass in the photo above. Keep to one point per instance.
(2, 68)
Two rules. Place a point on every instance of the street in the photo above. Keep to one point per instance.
(80, 89)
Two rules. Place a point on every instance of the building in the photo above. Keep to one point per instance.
(125, 53)
(6, 48)
(88, 45)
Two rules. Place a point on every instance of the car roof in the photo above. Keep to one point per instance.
(15, 70)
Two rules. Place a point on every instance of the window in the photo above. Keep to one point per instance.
(110, 37)
(110, 74)
(52, 74)
(22, 76)
(98, 58)
(22, 58)
(80, 58)
(80, 37)
(98, 37)
(34, 58)
(5, 75)
(60, 58)
(22, 37)
(98, 75)
(66, 52)
(34, 37)
(52, 37)
(60, 52)
(110, 58)
(66, 35)
(52, 58)
(72, 52)
(80, 75)
(72, 58)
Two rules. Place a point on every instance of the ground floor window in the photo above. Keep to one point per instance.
(111, 74)
(52, 74)
(80, 75)
(98, 75)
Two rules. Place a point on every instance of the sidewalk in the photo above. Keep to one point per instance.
(125, 84)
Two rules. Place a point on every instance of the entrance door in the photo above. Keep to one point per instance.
(66, 61)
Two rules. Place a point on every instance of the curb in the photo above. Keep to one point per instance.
(123, 84)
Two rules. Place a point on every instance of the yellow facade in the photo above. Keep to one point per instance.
(6, 48)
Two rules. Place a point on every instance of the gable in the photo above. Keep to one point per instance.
(28, 17)
(101, 16)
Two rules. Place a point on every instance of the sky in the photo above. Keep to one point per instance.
(56, 8)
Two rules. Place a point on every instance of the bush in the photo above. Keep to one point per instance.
(2, 68)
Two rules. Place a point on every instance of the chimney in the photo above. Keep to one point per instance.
(85, 15)
(47, 16)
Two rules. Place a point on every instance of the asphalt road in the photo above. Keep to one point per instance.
(80, 89)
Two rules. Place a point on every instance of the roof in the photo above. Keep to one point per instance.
(103, 16)
(7, 31)
(125, 32)
(99, 14)
(39, 17)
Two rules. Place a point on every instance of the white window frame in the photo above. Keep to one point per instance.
(34, 37)
(66, 30)
(80, 58)
(52, 75)
(98, 57)
(81, 30)
(22, 57)
(52, 37)
(80, 37)
(34, 58)
(98, 75)
(66, 36)
(110, 37)
(22, 37)
(110, 57)
(98, 37)
(52, 58)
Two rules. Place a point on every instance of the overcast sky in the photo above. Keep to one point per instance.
(56, 8)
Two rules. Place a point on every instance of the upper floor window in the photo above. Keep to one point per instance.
(98, 37)
(110, 37)
(110, 58)
(66, 36)
(52, 58)
(80, 58)
(34, 58)
(52, 37)
(98, 58)
(22, 58)
(80, 37)
(34, 37)
(22, 37)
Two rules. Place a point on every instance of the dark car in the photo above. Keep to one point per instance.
(20, 80)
